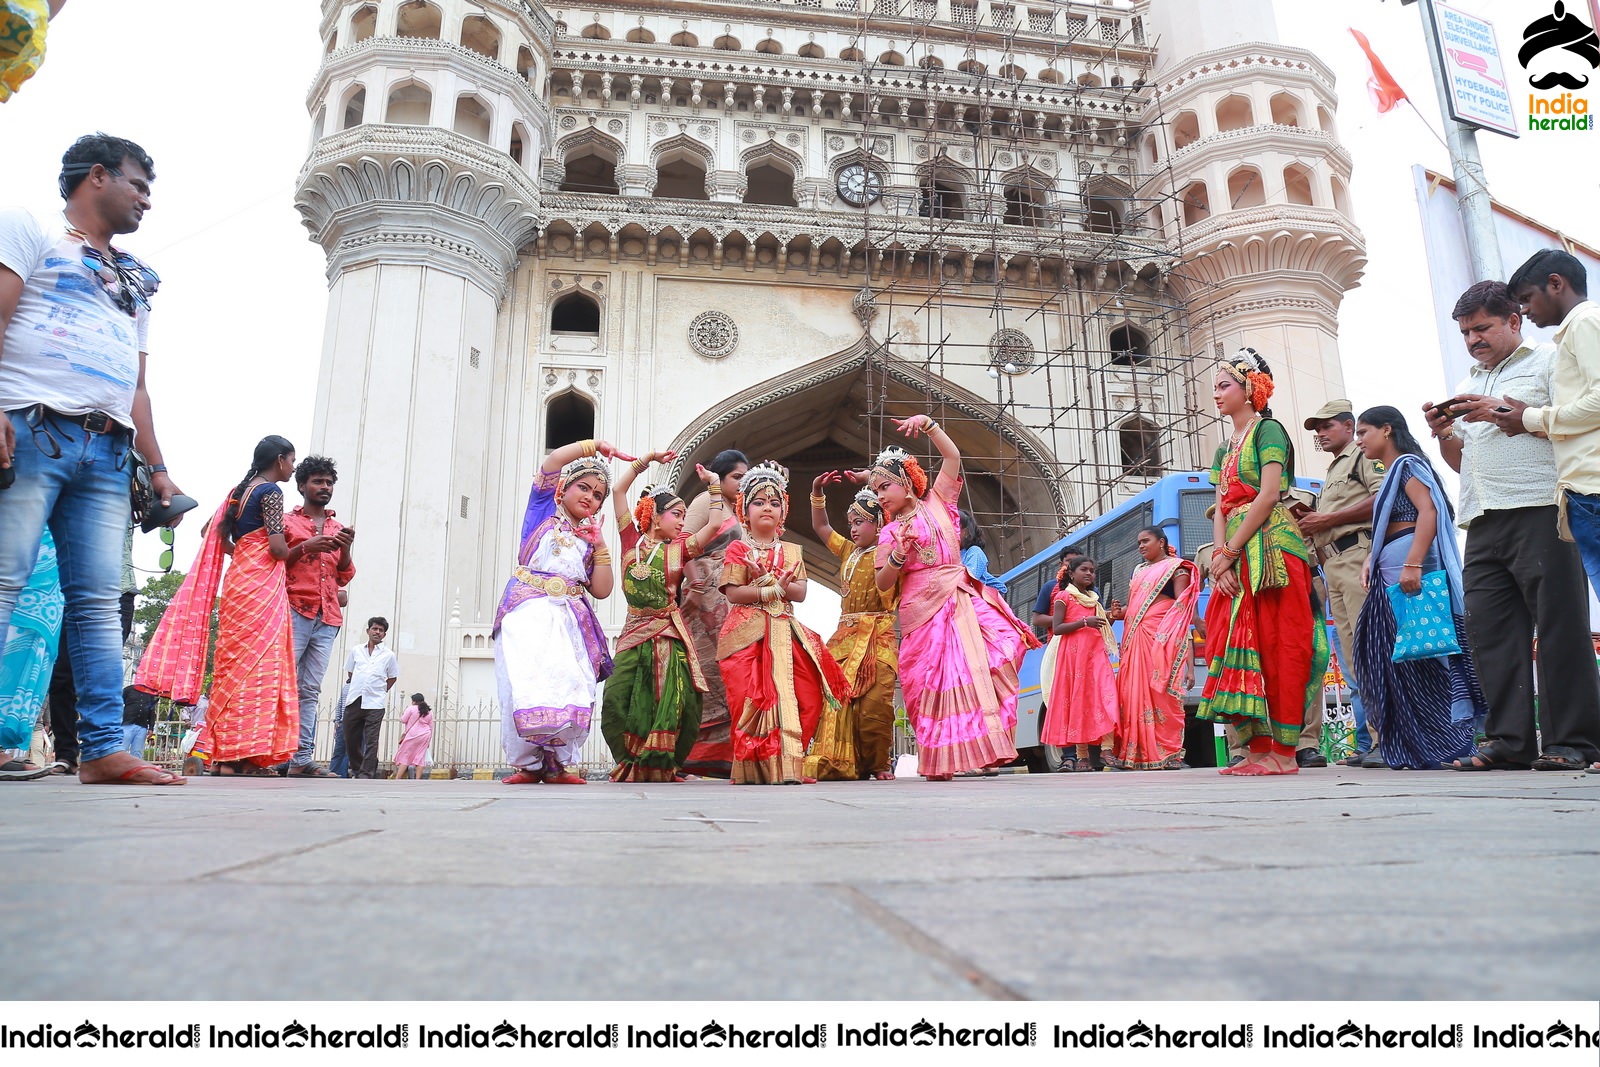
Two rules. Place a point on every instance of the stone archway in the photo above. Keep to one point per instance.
(834, 413)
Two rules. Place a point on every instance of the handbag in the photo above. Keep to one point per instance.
(1426, 627)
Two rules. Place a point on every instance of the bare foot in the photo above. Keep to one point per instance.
(121, 768)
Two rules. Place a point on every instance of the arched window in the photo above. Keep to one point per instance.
(333, 42)
(1245, 189)
(568, 417)
(576, 313)
(1341, 196)
(852, 55)
(726, 43)
(1025, 204)
(812, 50)
(364, 23)
(931, 63)
(685, 39)
(1325, 121)
(1129, 346)
(1012, 72)
(1235, 113)
(892, 59)
(769, 47)
(769, 181)
(972, 66)
(319, 125)
(525, 64)
(410, 104)
(1185, 130)
(1141, 448)
(481, 35)
(473, 118)
(355, 108)
(1196, 203)
(681, 175)
(940, 196)
(1103, 214)
(519, 144)
(1089, 80)
(1297, 184)
(1052, 76)
(1286, 109)
(640, 35)
(591, 168)
(595, 32)
(418, 18)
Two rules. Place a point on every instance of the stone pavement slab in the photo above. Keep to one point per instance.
(1333, 884)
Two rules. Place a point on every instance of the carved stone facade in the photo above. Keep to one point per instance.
(635, 221)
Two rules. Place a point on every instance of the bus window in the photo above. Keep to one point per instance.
(1194, 529)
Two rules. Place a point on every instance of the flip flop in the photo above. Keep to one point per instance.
(1556, 761)
(1486, 758)
(127, 777)
(19, 770)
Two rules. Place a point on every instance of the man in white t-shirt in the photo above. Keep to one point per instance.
(370, 672)
(73, 320)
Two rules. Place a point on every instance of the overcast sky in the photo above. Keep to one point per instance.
(219, 102)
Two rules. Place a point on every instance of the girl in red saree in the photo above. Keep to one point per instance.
(778, 675)
(960, 645)
(1155, 669)
(1265, 632)
(253, 722)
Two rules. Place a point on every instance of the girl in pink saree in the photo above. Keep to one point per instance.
(960, 645)
(1162, 595)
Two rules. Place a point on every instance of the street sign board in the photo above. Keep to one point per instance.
(1474, 76)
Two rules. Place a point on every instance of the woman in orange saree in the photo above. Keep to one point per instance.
(1162, 594)
(253, 721)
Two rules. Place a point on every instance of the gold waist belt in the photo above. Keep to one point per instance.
(854, 615)
(549, 584)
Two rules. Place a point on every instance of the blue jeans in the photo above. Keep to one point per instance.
(1583, 515)
(313, 642)
(134, 738)
(83, 496)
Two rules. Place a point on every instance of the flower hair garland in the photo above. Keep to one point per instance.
(767, 473)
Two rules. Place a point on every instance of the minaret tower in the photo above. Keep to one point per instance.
(1244, 135)
(421, 186)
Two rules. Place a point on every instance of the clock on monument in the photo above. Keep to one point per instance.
(858, 185)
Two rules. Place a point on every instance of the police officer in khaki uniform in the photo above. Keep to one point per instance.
(1340, 529)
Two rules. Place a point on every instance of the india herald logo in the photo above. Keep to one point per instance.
(1557, 41)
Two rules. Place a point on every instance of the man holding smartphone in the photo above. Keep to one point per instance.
(317, 569)
(74, 314)
(1519, 577)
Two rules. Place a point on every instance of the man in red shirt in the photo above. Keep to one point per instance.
(317, 569)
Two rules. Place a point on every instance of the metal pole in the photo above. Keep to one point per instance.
(1472, 191)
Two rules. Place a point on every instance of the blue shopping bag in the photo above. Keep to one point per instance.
(1426, 628)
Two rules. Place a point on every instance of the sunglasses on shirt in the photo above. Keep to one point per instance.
(166, 554)
(129, 283)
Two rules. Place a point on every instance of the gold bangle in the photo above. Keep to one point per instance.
(586, 448)
(602, 556)
(714, 489)
(640, 466)
(932, 426)
(820, 501)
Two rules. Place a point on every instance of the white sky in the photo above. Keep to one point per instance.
(219, 102)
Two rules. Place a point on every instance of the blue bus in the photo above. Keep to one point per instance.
(1177, 505)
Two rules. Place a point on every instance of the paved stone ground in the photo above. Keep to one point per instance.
(1336, 884)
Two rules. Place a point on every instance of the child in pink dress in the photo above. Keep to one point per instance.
(960, 645)
(1082, 709)
(416, 732)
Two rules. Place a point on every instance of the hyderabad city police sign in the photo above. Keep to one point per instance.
(1474, 77)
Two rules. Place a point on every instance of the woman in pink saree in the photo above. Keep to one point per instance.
(1162, 595)
(960, 645)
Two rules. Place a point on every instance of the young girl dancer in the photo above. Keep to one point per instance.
(651, 714)
(549, 652)
(1082, 709)
(857, 741)
(778, 675)
(960, 645)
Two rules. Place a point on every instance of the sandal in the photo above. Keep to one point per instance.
(20, 770)
(1560, 759)
(1068, 765)
(522, 777)
(564, 778)
(1487, 758)
(888, 776)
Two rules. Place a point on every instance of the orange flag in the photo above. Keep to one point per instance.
(1381, 86)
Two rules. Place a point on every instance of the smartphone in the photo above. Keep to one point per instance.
(1502, 410)
(8, 477)
(1444, 410)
